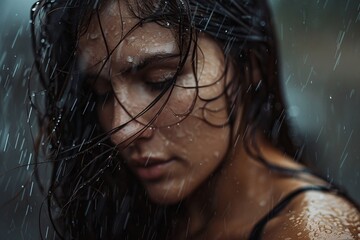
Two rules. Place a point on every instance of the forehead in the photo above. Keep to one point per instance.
(116, 31)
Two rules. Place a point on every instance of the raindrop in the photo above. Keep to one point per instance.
(31, 188)
(352, 93)
(130, 59)
(47, 231)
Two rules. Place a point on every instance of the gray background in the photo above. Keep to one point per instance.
(320, 48)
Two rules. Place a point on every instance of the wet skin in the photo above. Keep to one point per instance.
(186, 161)
(171, 160)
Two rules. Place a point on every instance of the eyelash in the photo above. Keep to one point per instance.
(160, 85)
(153, 86)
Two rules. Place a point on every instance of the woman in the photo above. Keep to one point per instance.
(165, 120)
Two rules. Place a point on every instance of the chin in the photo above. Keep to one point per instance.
(165, 196)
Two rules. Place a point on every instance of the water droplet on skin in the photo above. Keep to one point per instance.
(130, 59)
(299, 233)
(93, 36)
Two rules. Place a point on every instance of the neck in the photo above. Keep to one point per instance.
(238, 194)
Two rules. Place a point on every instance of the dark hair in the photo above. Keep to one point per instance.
(91, 195)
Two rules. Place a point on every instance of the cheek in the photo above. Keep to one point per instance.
(112, 116)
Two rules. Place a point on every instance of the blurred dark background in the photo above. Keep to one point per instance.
(320, 48)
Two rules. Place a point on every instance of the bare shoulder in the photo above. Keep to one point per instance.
(316, 215)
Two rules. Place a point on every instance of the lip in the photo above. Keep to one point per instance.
(150, 169)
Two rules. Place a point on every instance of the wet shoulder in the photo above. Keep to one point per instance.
(316, 215)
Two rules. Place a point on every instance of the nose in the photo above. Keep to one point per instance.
(128, 128)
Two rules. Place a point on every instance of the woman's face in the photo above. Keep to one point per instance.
(174, 155)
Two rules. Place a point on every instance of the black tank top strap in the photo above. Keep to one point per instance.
(257, 230)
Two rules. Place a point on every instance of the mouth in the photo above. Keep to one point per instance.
(150, 169)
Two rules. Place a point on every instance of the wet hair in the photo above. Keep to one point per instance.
(91, 194)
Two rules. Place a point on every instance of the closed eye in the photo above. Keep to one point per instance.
(160, 85)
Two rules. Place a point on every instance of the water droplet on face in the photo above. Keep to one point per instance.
(93, 36)
(130, 59)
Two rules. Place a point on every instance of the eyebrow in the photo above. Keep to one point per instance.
(153, 59)
(149, 60)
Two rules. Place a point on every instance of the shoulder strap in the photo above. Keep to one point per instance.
(257, 230)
